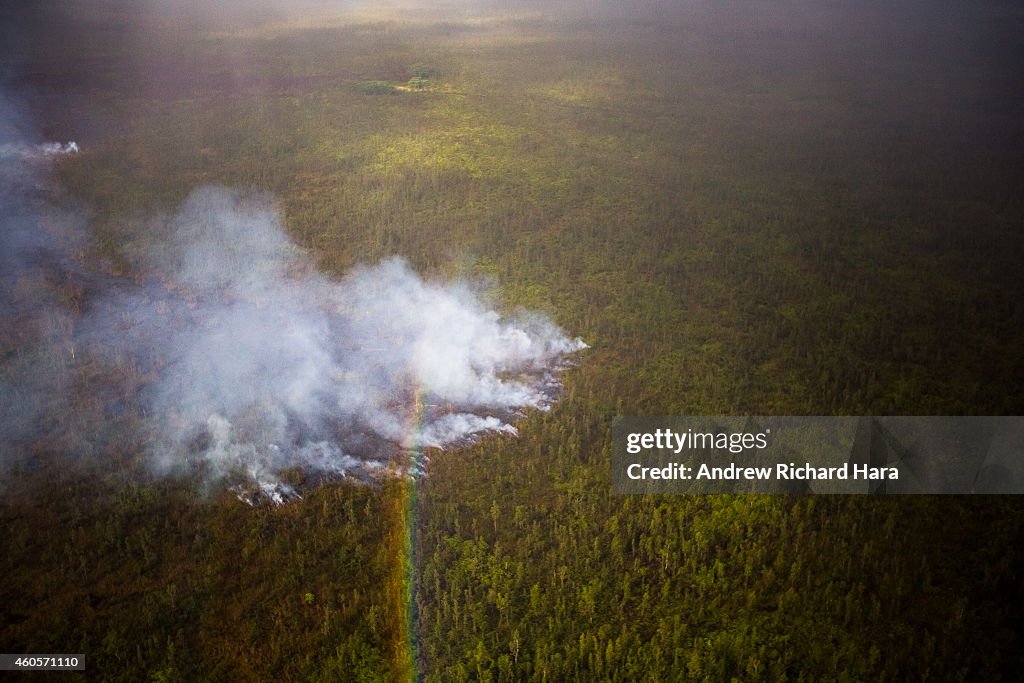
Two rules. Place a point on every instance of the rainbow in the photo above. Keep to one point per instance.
(407, 652)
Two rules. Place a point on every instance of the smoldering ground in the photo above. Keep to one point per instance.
(233, 359)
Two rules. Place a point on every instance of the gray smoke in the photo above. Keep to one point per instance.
(265, 365)
(235, 360)
(39, 235)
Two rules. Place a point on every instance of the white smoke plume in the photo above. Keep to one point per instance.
(228, 357)
(258, 364)
(42, 150)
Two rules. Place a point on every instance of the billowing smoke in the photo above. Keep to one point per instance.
(233, 359)
(263, 365)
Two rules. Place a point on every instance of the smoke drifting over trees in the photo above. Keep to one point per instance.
(38, 235)
(267, 365)
(238, 359)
